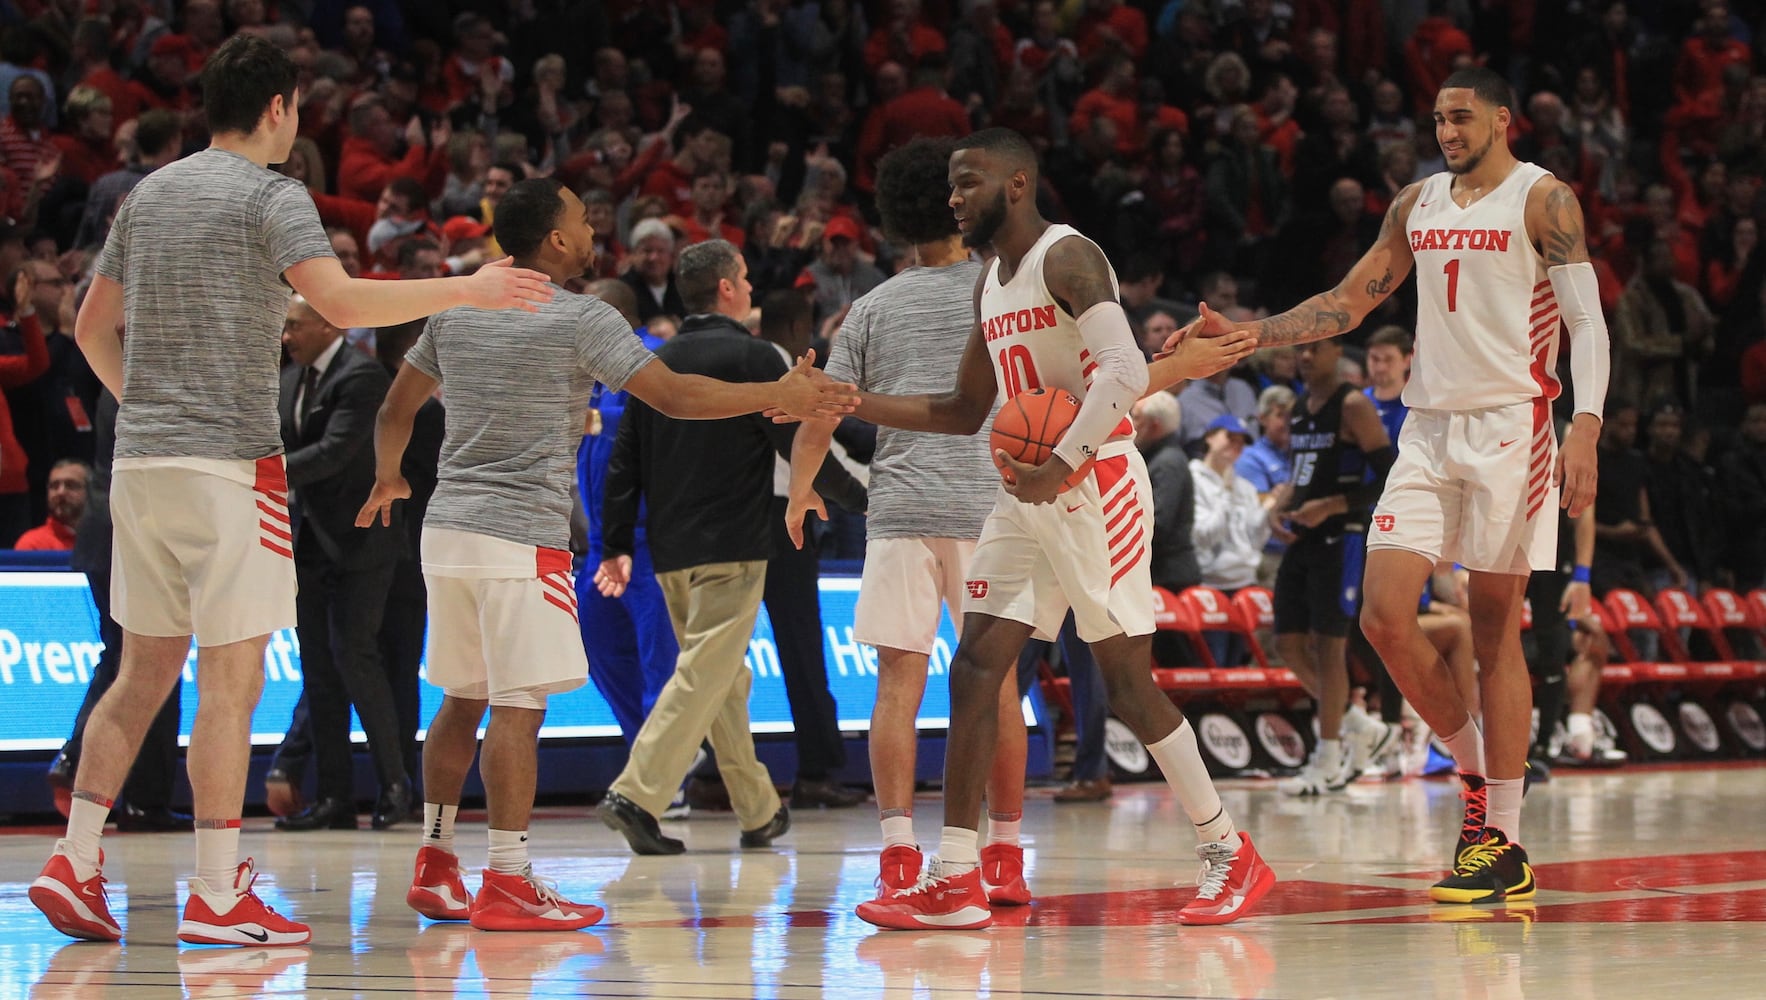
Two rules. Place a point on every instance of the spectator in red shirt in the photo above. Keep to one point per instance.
(1698, 75)
(924, 110)
(68, 479)
(165, 84)
(1275, 119)
(476, 41)
(24, 138)
(368, 161)
(86, 152)
(90, 59)
(698, 146)
(905, 38)
(1429, 54)
(1111, 25)
(711, 192)
(17, 370)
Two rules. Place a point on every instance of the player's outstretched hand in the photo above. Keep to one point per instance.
(1577, 474)
(380, 501)
(796, 507)
(1034, 484)
(1203, 355)
(500, 285)
(614, 574)
(807, 393)
(1208, 324)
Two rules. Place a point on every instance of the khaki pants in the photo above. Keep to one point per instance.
(713, 608)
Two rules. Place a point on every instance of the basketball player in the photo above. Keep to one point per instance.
(1047, 315)
(929, 494)
(502, 610)
(1335, 437)
(1501, 263)
(199, 263)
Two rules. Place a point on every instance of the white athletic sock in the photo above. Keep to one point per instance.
(1188, 776)
(1581, 731)
(1002, 828)
(217, 854)
(508, 852)
(1329, 757)
(1505, 806)
(1467, 748)
(956, 851)
(85, 825)
(438, 826)
(898, 831)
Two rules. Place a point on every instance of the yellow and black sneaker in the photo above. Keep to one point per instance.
(1487, 872)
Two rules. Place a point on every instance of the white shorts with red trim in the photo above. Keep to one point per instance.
(906, 582)
(1089, 550)
(203, 547)
(1474, 487)
(502, 619)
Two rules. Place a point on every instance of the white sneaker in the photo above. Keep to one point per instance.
(1325, 772)
(677, 807)
(1307, 783)
(1367, 740)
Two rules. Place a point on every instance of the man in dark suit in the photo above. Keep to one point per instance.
(328, 400)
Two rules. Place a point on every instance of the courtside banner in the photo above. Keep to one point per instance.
(49, 648)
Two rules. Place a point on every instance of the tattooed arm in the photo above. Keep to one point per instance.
(1383, 268)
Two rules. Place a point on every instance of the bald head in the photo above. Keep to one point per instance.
(305, 333)
(619, 295)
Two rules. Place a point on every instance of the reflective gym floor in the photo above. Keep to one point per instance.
(1653, 885)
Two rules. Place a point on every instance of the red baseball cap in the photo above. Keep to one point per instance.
(843, 227)
(170, 45)
(464, 227)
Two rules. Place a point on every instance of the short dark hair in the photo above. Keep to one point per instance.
(241, 79)
(1393, 336)
(1140, 266)
(698, 270)
(409, 250)
(412, 191)
(1004, 143)
(913, 192)
(158, 129)
(780, 313)
(527, 215)
(596, 196)
(512, 169)
(1484, 83)
(689, 129)
(62, 463)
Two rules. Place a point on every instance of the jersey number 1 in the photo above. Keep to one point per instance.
(1451, 269)
(1018, 370)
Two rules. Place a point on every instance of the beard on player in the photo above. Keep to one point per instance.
(986, 225)
(1473, 157)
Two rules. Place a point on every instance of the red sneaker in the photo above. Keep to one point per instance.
(1002, 875)
(236, 916)
(526, 903)
(956, 902)
(437, 889)
(898, 869)
(75, 908)
(1233, 879)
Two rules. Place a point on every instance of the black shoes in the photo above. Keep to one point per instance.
(775, 828)
(394, 805)
(282, 794)
(156, 819)
(640, 829)
(825, 794)
(325, 814)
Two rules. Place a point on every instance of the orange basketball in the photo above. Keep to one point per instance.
(1030, 425)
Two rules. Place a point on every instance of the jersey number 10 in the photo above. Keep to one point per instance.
(1018, 371)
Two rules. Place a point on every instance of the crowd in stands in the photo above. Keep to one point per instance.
(1241, 152)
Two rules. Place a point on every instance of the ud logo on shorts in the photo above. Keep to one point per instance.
(1384, 522)
(977, 589)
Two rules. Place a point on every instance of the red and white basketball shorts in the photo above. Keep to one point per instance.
(1089, 550)
(502, 619)
(203, 547)
(1474, 487)
(906, 583)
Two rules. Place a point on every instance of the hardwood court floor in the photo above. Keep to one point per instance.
(1654, 886)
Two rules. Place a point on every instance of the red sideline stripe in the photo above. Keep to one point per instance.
(273, 547)
(280, 515)
(279, 499)
(271, 528)
(272, 476)
(1131, 547)
(1133, 524)
(1127, 508)
(1089, 368)
(567, 609)
(1127, 566)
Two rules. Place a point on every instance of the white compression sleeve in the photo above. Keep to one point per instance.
(1120, 379)
(1578, 295)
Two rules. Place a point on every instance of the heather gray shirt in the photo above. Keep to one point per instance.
(517, 389)
(199, 247)
(904, 338)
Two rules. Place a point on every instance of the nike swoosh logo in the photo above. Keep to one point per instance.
(1510, 441)
(1424, 204)
(1233, 906)
(1072, 509)
(260, 937)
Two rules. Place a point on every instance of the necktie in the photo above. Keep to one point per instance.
(309, 390)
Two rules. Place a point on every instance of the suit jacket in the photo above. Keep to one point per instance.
(331, 459)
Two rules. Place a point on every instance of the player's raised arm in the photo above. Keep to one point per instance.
(962, 410)
(349, 302)
(1383, 268)
(1555, 225)
(803, 393)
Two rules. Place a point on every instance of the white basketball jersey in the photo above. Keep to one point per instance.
(1032, 340)
(1487, 322)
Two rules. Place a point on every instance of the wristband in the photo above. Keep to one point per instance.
(1579, 575)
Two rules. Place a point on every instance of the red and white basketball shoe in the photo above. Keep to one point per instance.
(236, 915)
(953, 902)
(898, 869)
(74, 907)
(438, 887)
(527, 903)
(1002, 875)
(1232, 881)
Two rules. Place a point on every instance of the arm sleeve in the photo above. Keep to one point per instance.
(1120, 379)
(1578, 295)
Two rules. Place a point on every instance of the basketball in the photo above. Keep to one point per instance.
(1030, 425)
